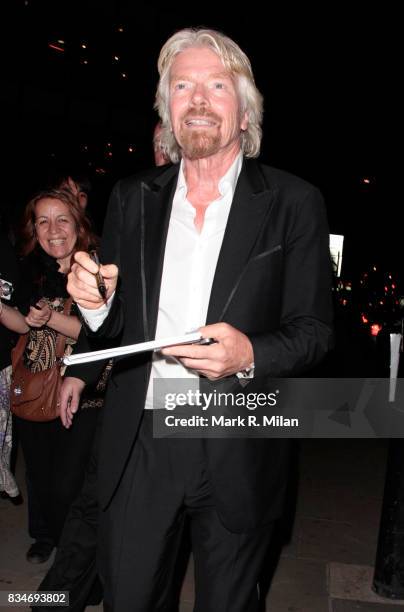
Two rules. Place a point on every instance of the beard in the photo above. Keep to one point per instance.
(196, 144)
(199, 144)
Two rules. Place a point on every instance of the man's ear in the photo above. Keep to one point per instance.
(244, 122)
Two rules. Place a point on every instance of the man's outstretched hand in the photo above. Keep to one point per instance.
(82, 283)
(231, 352)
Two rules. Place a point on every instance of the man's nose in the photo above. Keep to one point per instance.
(199, 95)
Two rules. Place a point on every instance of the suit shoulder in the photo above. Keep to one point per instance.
(287, 183)
(132, 182)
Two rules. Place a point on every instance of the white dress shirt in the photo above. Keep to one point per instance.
(190, 260)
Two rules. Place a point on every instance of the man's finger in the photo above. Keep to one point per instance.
(199, 364)
(216, 330)
(84, 277)
(109, 271)
(85, 261)
(194, 351)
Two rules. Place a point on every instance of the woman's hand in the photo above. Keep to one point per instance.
(69, 399)
(38, 315)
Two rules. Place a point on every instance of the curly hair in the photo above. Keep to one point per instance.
(236, 62)
(86, 238)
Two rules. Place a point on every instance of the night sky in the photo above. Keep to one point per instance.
(323, 72)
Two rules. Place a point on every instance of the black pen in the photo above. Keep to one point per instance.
(98, 277)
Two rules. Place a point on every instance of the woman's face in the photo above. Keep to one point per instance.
(56, 230)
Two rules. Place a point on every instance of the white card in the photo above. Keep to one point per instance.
(130, 349)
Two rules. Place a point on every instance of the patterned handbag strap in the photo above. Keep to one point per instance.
(61, 338)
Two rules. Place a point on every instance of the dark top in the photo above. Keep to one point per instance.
(41, 279)
(9, 272)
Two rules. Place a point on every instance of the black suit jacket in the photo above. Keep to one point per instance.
(272, 282)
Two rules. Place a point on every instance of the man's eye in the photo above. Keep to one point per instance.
(218, 85)
(180, 86)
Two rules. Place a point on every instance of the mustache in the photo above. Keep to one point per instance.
(199, 114)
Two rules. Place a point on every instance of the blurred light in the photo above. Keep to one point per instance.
(386, 289)
(393, 286)
(100, 171)
(366, 180)
(381, 302)
(120, 29)
(61, 42)
(131, 149)
(108, 144)
(124, 75)
(56, 47)
(116, 58)
(364, 319)
(110, 153)
(375, 329)
(83, 46)
(344, 302)
(374, 269)
(84, 61)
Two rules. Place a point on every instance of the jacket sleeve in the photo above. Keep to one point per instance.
(109, 333)
(110, 252)
(305, 333)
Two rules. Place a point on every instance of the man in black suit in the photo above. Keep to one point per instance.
(239, 250)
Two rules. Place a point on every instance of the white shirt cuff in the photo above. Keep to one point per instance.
(95, 318)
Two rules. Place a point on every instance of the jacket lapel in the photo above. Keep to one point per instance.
(156, 203)
(251, 206)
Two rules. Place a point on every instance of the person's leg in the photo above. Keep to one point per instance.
(38, 527)
(74, 568)
(7, 481)
(140, 532)
(72, 451)
(227, 565)
(36, 441)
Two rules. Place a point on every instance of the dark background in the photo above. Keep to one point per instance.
(325, 74)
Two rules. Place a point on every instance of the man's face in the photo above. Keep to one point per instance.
(204, 106)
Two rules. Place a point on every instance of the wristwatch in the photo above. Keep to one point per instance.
(247, 373)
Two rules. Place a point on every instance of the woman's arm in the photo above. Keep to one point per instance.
(67, 325)
(12, 319)
(43, 315)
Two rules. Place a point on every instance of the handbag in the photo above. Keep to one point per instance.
(34, 396)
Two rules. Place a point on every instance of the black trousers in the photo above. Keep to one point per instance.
(74, 567)
(55, 460)
(166, 481)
